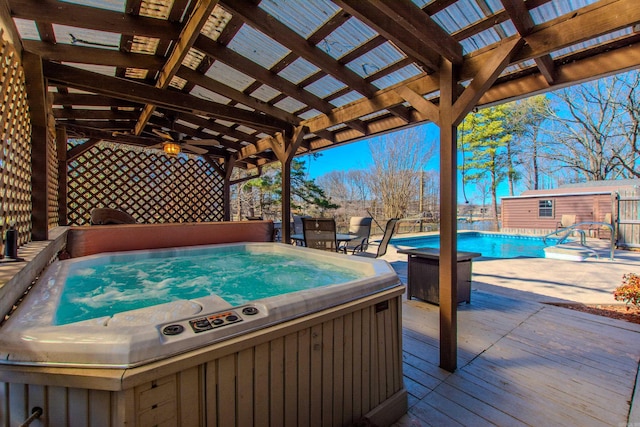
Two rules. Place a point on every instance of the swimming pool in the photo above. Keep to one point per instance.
(490, 245)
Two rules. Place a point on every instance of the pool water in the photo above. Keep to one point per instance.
(96, 289)
(490, 245)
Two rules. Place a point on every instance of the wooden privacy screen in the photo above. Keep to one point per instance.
(52, 172)
(147, 184)
(15, 155)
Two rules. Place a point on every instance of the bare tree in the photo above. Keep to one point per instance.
(397, 160)
(524, 121)
(595, 129)
(629, 104)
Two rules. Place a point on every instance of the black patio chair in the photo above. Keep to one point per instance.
(361, 227)
(320, 233)
(389, 229)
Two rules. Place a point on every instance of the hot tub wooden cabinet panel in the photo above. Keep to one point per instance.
(332, 367)
(424, 274)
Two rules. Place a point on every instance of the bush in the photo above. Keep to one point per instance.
(629, 291)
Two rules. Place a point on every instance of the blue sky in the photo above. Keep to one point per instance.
(356, 155)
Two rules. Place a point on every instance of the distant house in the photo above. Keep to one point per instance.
(540, 211)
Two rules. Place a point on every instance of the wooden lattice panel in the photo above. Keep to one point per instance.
(15, 156)
(52, 173)
(147, 184)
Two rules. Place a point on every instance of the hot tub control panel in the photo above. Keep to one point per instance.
(215, 320)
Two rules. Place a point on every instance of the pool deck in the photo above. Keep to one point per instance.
(523, 362)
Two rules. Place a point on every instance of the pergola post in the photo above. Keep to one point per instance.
(285, 150)
(448, 115)
(61, 145)
(225, 171)
(38, 106)
(448, 218)
(230, 162)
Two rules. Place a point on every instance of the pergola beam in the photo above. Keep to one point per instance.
(522, 20)
(485, 78)
(90, 100)
(188, 36)
(73, 15)
(237, 96)
(142, 93)
(90, 55)
(377, 18)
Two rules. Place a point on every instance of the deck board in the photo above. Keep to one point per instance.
(519, 363)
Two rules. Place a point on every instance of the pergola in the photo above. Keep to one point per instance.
(248, 83)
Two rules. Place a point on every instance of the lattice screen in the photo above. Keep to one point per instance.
(52, 173)
(147, 184)
(15, 155)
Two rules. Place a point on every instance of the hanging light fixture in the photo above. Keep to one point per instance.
(171, 148)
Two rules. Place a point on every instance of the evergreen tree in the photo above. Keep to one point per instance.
(483, 140)
(306, 195)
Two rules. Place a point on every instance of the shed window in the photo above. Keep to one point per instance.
(545, 208)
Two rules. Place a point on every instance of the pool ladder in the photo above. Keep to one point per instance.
(565, 233)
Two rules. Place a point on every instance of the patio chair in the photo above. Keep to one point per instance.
(320, 233)
(603, 229)
(565, 222)
(389, 229)
(361, 227)
(104, 216)
(297, 227)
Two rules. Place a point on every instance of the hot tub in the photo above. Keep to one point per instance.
(330, 354)
(41, 333)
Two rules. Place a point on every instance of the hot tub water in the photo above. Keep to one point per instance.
(109, 284)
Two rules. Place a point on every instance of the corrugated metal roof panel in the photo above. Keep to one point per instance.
(298, 70)
(309, 114)
(302, 16)
(265, 93)
(480, 40)
(290, 105)
(346, 38)
(422, 3)
(156, 8)
(115, 5)
(246, 129)
(325, 86)
(216, 23)
(178, 82)
(141, 44)
(376, 59)
(229, 76)
(374, 115)
(258, 47)
(396, 77)
(193, 58)
(88, 38)
(346, 98)
(100, 69)
(551, 10)
(27, 29)
(594, 42)
(459, 15)
(203, 93)
(136, 73)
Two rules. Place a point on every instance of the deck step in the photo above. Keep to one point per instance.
(568, 253)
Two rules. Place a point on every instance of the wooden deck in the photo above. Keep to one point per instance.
(520, 363)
